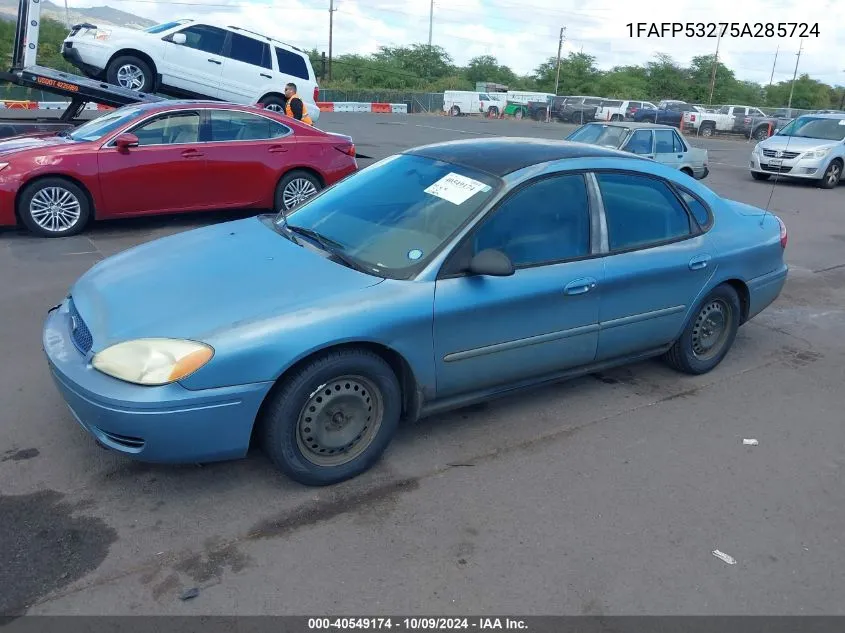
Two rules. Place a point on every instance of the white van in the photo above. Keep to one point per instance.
(458, 102)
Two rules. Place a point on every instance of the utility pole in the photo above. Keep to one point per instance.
(331, 33)
(773, 66)
(430, 22)
(713, 73)
(794, 75)
(559, 49)
(67, 16)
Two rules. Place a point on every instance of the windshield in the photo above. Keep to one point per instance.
(103, 125)
(609, 135)
(394, 216)
(815, 127)
(160, 28)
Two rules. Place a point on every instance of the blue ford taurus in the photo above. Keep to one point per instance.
(439, 277)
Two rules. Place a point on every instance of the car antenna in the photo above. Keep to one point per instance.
(777, 177)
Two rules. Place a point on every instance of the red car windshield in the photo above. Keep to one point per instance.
(103, 125)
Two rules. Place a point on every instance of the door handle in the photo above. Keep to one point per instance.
(699, 262)
(215, 61)
(191, 153)
(277, 149)
(580, 286)
(266, 75)
(680, 155)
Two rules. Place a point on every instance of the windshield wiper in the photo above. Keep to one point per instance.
(329, 245)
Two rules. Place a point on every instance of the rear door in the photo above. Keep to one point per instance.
(165, 173)
(247, 66)
(196, 65)
(247, 154)
(659, 263)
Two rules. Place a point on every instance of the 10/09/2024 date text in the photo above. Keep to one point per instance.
(722, 29)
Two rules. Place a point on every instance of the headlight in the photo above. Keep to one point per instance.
(152, 361)
(818, 153)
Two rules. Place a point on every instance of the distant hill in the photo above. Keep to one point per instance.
(104, 15)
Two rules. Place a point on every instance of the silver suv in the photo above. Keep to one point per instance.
(811, 147)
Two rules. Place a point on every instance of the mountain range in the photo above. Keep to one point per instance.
(104, 15)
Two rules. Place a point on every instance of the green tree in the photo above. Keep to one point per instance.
(666, 79)
(699, 74)
(578, 74)
(421, 60)
(487, 68)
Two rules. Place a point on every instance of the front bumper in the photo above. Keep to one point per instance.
(166, 424)
(806, 168)
(89, 57)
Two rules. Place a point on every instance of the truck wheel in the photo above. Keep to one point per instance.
(454, 111)
(761, 133)
(128, 71)
(832, 175)
(493, 112)
(332, 419)
(519, 113)
(706, 130)
(54, 207)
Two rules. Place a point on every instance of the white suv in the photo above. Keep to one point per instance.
(186, 58)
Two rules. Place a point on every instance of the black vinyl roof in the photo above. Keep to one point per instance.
(502, 156)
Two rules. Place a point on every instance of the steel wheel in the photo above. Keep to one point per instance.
(710, 329)
(130, 76)
(296, 192)
(55, 209)
(339, 421)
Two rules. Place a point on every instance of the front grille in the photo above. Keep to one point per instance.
(79, 332)
(773, 154)
(777, 170)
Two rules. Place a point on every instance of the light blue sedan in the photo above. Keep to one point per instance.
(436, 278)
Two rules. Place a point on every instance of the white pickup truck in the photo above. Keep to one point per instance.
(728, 119)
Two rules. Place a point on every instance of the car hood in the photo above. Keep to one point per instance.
(200, 282)
(21, 143)
(795, 144)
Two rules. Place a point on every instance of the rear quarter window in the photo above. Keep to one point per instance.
(291, 63)
(697, 208)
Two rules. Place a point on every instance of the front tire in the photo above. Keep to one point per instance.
(832, 175)
(331, 420)
(54, 207)
(709, 335)
(294, 188)
(273, 103)
(493, 112)
(130, 72)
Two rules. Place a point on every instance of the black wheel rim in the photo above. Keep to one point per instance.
(339, 421)
(711, 329)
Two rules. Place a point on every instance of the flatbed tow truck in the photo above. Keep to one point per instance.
(79, 90)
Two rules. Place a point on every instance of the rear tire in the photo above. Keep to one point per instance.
(761, 133)
(493, 112)
(130, 72)
(832, 175)
(454, 111)
(706, 130)
(709, 335)
(332, 420)
(688, 172)
(54, 207)
(294, 188)
(519, 113)
(756, 175)
(273, 103)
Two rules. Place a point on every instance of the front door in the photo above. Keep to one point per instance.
(641, 143)
(196, 65)
(166, 173)
(658, 265)
(492, 331)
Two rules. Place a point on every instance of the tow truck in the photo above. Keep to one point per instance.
(80, 91)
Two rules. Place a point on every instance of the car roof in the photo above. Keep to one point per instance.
(177, 104)
(824, 115)
(222, 25)
(502, 156)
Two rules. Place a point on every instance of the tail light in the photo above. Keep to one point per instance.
(316, 94)
(346, 148)
(692, 118)
(784, 238)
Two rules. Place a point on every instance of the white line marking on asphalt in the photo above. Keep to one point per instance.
(448, 129)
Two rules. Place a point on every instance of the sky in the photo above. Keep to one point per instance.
(523, 34)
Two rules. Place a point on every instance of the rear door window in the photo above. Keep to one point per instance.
(249, 51)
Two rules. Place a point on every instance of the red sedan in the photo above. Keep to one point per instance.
(173, 158)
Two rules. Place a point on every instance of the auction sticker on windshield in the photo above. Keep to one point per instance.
(455, 188)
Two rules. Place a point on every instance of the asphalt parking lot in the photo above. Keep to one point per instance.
(605, 495)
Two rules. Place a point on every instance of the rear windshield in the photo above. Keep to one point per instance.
(161, 28)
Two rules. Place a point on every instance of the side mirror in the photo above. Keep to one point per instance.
(179, 38)
(491, 263)
(125, 141)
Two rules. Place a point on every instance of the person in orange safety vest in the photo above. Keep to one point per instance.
(295, 106)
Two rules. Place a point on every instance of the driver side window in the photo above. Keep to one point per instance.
(169, 129)
(545, 222)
